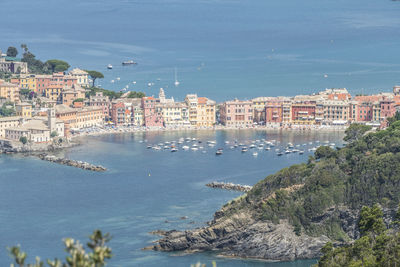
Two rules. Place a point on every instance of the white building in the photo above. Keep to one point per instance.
(82, 77)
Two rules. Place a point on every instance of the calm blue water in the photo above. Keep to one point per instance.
(41, 202)
(221, 48)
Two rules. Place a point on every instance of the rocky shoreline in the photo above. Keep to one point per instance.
(72, 163)
(230, 186)
(244, 236)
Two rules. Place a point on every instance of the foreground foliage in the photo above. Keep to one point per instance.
(77, 255)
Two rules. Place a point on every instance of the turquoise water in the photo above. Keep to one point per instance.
(221, 48)
(143, 190)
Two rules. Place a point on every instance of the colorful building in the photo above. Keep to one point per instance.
(23, 110)
(237, 113)
(9, 91)
(205, 114)
(336, 111)
(99, 100)
(273, 111)
(82, 77)
(150, 117)
(303, 112)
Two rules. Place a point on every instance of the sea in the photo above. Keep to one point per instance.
(221, 49)
(143, 190)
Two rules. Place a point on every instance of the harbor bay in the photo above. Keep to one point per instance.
(143, 190)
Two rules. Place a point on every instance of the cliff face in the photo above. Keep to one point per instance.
(293, 213)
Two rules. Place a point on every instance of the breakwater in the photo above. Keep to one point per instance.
(230, 186)
(72, 163)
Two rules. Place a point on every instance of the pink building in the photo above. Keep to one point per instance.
(150, 117)
(236, 113)
(118, 113)
(364, 111)
(388, 108)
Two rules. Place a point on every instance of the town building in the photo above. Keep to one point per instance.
(82, 77)
(23, 110)
(303, 112)
(336, 111)
(259, 110)
(99, 100)
(28, 82)
(192, 101)
(173, 114)
(8, 122)
(120, 115)
(274, 111)
(150, 117)
(34, 130)
(9, 91)
(205, 114)
(12, 65)
(42, 82)
(70, 94)
(237, 113)
(79, 118)
(37, 129)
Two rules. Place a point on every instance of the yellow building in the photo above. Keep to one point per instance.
(78, 118)
(54, 92)
(9, 91)
(28, 82)
(89, 117)
(205, 112)
(24, 110)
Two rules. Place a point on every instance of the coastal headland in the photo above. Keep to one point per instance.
(293, 213)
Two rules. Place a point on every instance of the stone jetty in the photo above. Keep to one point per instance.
(72, 163)
(230, 186)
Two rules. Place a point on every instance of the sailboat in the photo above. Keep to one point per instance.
(176, 79)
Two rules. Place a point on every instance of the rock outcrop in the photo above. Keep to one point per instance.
(230, 186)
(72, 163)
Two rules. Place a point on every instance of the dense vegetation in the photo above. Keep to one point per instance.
(135, 94)
(376, 247)
(112, 94)
(7, 109)
(313, 196)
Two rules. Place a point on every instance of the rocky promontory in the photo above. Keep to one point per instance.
(292, 214)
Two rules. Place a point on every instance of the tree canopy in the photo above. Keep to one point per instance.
(56, 65)
(12, 51)
(34, 65)
(355, 131)
(94, 75)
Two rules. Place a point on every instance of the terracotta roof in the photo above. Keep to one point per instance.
(202, 100)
